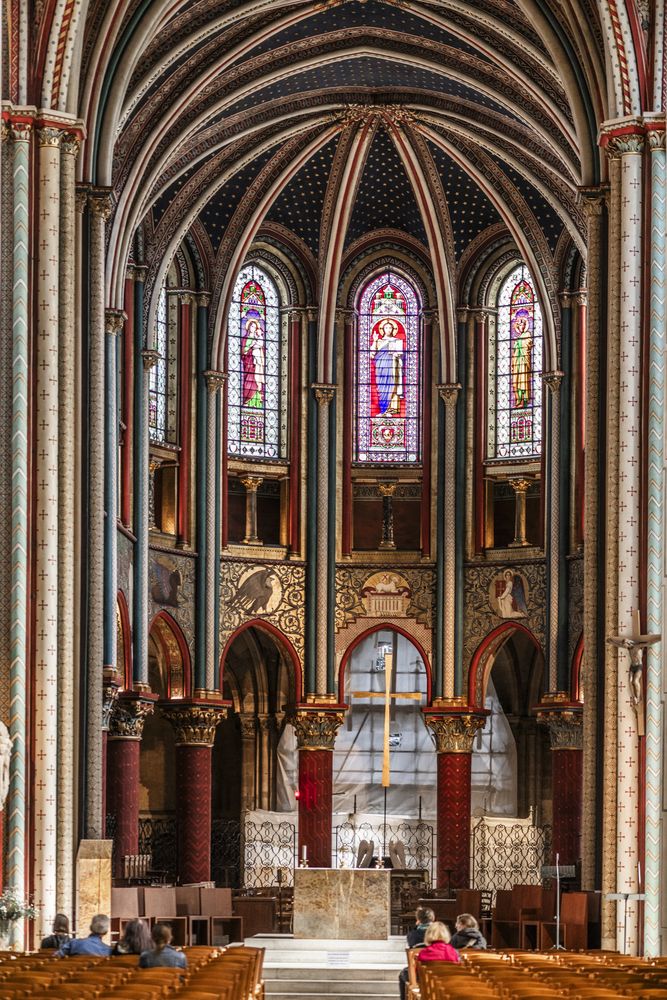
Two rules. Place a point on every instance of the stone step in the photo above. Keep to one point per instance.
(279, 973)
(332, 987)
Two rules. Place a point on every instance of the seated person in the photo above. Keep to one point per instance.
(468, 934)
(91, 945)
(60, 933)
(136, 939)
(415, 939)
(162, 955)
(437, 947)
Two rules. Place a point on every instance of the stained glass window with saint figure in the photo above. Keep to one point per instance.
(159, 374)
(388, 372)
(255, 417)
(515, 383)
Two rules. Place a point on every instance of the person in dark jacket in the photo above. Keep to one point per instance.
(162, 955)
(60, 933)
(415, 939)
(468, 934)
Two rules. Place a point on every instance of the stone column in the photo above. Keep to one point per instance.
(184, 421)
(214, 381)
(194, 726)
(248, 724)
(387, 491)
(324, 395)
(625, 145)
(143, 495)
(316, 727)
(251, 484)
(453, 727)
(266, 724)
(450, 395)
(655, 929)
(520, 487)
(115, 319)
(565, 723)
(125, 731)
(15, 866)
(594, 205)
(100, 210)
(45, 580)
(553, 380)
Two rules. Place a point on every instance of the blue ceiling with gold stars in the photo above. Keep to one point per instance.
(299, 206)
(385, 198)
(548, 218)
(217, 213)
(470, 210)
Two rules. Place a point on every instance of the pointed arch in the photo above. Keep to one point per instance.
(484, 657)
(384, 626)
(170, 641)
(124, 643)
(283, 644)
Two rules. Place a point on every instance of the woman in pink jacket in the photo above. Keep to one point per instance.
(438, 948)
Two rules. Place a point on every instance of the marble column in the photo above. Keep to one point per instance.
(45, 488)
(553, 380)
(200, 494)
(594, 208)
(564, 721)
(126, 728)
(184, 421)
(316, 727)
(453, 727)
(450, 394)
(387, 491)
(324, 394)
(115, 319)
(624, 144)
(520, 487)
(16, 818)
(251, 484)
(267, 726)
(68, 522)
(214, 381)
(100, 210)
(655, 923)
(145, 362)
(195, 727)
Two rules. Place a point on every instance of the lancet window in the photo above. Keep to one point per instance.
(163, 383)
(388, 372)
(515, 371)
(256, 369)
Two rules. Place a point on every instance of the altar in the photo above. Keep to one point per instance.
(342, 903)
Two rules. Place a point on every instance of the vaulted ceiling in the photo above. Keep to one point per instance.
(220, 118)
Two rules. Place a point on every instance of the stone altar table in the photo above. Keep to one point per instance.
(347, 904)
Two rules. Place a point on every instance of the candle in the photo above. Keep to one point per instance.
(304, 853)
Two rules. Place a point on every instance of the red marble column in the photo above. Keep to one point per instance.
(565, 722)
(316, 727)
(194, 725)
(122, 784)
(454, 730)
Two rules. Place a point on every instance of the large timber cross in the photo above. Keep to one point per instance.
(387, 694)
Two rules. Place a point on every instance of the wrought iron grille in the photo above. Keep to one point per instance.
(226, 852)
(507, 854)
(268, 847)
(157, 837)
(417, 838)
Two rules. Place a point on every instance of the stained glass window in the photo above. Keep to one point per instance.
(515, 371)
(388, 372)
(159, 374)
(255, 400)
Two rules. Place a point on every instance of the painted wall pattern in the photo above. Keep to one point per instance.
(171, 588)
(575, 611)
(350, 583)
(272, 591)
(125, 559)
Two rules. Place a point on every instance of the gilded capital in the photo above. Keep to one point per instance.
(150, 359)
(454, 732)
(553, 380)
(521, 485)
(214, 381)
(71, 143)
(564, 720)
(47, 136)
(251, 483)
(316, 729)
(128, 717)
(101, 202)
(656, 138)
(194, 725)
(115, 320)
(109, 698)
(324, 392)
(620, 138)
(387, 489)
(20, 131)
(449, 392)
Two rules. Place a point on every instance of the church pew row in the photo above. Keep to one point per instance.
(212, 974)
(534, 976)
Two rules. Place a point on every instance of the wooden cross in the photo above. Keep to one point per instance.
(387, 694)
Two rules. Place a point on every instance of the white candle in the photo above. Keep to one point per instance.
(304, 853)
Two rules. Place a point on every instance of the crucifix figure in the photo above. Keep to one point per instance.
(635, 643)
(387, 694)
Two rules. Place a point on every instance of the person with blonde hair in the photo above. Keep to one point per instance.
(468, 934)
(437, 945)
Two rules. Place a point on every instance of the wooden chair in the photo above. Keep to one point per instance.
(160, 908)
(505, 933)
(217, 905)
(126, 905)
(259, 913)
(573, 923)
(188, 905)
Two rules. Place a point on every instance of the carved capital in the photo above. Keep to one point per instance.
(387, 489)
(454, 732)
(251, 483)
(564, 720)
(47, 136)
(110, 694)
(248, 725)
(150, 359)
(582, 297)
(214, 381)
(115, 320)
(462, 313)
(324, 392)
(553, 380)
(620, 138)
(316, 728)
(101, 202)
(520, 485)
(656, 138)
(128, 717)
(312, 314)
(71, 144)
(194, 725)
(449, 392)
(20, 131)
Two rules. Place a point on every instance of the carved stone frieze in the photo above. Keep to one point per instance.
(316, 728)
(194, 725)
(454, 732)
(128, 717)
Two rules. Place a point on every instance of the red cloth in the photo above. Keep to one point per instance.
(438, 952)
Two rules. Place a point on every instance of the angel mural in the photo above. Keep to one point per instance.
(509, 596)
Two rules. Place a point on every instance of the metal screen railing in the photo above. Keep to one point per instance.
(267, 848)
(418, 841)
(503, 854)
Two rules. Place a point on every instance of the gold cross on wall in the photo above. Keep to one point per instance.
(387, 694)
